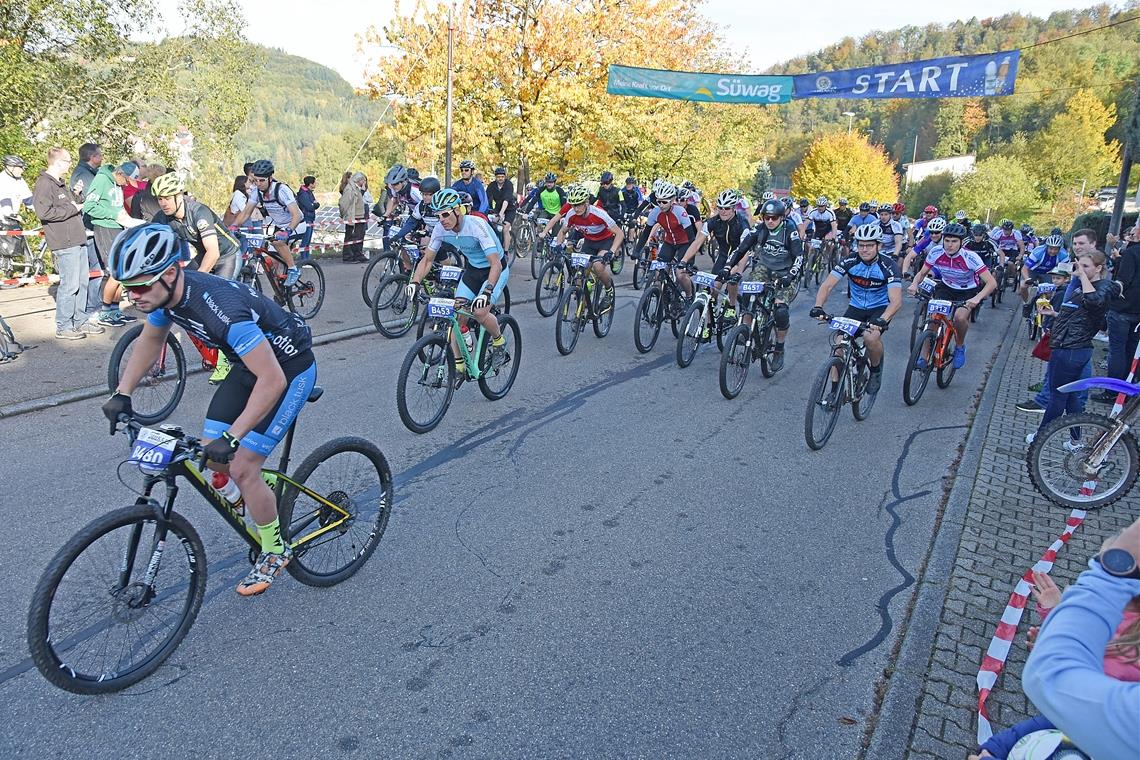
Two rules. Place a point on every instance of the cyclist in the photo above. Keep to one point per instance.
(931, 240)
(550, 196)
(823, 220)
(694, 195)
(876, 294)
(1029, 237)
(799, 216)
(278, 202)
(14, 193)
(1008, 240)
(601, 235)
(962, 218)
(631, 198)
(891, 231)
(726, 227)
(898, 213)
(472, 185)
(928, 213)
(843, 214)
(421, 218)
(779, 251)
(676, 226)
(960, 271)
(502, 203)
(1037, 265)
(863, 217)
(214, 250)
(609, 197)
(274, 370)
(982, 244)
(483, 278)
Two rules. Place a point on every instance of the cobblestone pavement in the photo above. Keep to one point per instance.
(1008, 525)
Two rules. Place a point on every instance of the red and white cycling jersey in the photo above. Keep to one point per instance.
(961, 272)
(594, 224)
(674, 222)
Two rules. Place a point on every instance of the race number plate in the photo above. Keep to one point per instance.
(843, 324)
(450, 274)
(927, 285)
(751, 287)
(580, 259)
(817, 243)
(256, 241)
(655, 265)
(938, 306)
(441, 307)
(1046, 287)
(152, 451)
(704, 278)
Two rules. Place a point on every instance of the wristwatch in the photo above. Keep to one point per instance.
(1120, 563)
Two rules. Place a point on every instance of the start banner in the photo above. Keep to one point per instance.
(968, 76)
(706, 88)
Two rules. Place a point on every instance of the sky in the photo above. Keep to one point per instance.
(324, 31)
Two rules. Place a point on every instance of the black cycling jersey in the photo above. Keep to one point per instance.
(610, 200)
(198, 222)
(496, 194)
(778, 250)
(234, 318)
(985, 248)
(727, 234)
(843, 218)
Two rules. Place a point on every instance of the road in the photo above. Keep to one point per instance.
(613, 561)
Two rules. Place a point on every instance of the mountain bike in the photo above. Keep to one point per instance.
(841, 380)
(428, 376)
(157, 395)
(750, 339)
(934, 350)
(815, 269)
(122, 593)
(1088, 461)
(304, 298)
(382, 264)
(999, 275)
(925, 292)
(539, 257)
(524, 234)
(551, 279)
(703, 320)
(19, 258)
(1035, 320)
(662, 300)
(581, 303)
(644, 263)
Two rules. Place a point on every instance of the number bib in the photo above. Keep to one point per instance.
(817, 243)
(256, 241)
(1046, 287)
(704, 278)
(450, 274)
(927, 285)
(751, 287)
(655, 265)
(152, 451)
(845, 325)
(938, 306)
(580, 259)
(441, 307)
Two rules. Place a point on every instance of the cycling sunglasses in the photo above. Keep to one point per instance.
(664, 203)
(771, 218)
(143, 287)
(446, 214)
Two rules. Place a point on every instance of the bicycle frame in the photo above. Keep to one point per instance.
(470, 360)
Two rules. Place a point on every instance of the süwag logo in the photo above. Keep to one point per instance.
(732, 87)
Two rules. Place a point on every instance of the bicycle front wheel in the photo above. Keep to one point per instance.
(734, 361)
(863, 401)
(426, 383)
(95, 624)
(305, 298)
(946, 368)
(548, 288)
(647, 324)
(496, 382)
(158, 393)
(824, 403)
(393, 313)
(378, 268)
(604, 318)
(692, 325)
(1059, 463)
(569, 324)
(335, 532)
(918, 367)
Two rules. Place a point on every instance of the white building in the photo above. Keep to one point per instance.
(955, 166)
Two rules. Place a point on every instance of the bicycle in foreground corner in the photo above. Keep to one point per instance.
(121, 595)
(841, 380)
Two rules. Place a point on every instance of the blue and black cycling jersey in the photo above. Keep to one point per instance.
(871, 282)
(1040, 262)
(234, 318)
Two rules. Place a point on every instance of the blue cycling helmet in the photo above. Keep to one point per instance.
(140, 254)
(445, 200)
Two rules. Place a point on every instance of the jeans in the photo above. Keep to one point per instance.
(70, 298)
(1121, 343)
(1043, 395)
(95, 278)
(1067, 365)
(306, 241)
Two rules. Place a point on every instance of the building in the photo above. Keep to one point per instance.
(955, 166)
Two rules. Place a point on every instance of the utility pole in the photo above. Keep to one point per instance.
(1131, 148)
(447, 148)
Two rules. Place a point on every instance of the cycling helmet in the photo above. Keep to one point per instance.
(772, 207)
(550, 177)
(1026, 229)
(167, 185)
(1007, 224)
(500, 170)
(396, 175)
(886, 209)
(141, 253)
(429, 185)
(842, 201)
(937, 224)
(864, 207)
(466, 199)
(767, 196)
(821, 200)
(684, 195)
(413, 174)
(868, 232)
(959, 215)
(954, 230)
(445, 200)
(688, 185)
(467, 164)
(978, 229)
(607, 177)
(667, 191)
(262, 168)
(874, 205)
(657, 183)
(1055, 241)
(899, 208)
(576, 194)
(787, 202)
(803, 203)
(630, 181)
(727, 199)
(15, 161)
(1056, 231)
(930, 210)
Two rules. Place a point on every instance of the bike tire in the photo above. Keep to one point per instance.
(509, 328)
(1048, 462)
(149, 404)
(569, 320)
(647, 320)
(603, 320)
(537, 259)
(298, 512)
(734, 361)
(916, 378)
(863, 401)
(946, 368)
(916, 322)
(46, 645)
(819, 421)
(765, 345)
(434, 351)
(640, 271)
(306, 297)
(689, 340)
(378, 268)
(392, 313)
(548, 288)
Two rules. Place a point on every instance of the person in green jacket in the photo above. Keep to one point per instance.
(103, 205)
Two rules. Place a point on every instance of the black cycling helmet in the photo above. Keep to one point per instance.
(1026, 229)
(864, 207)
(803, 203)
(429, 185)
(465, 198)
(630, 181)
(262, 168)
(467, 164)
(1056, 231)
(1007, 224)
(499, 170)
(954, 230)
(15, 161)
(607, 177)
(550, 177)
(413, 174)
(772, 207)
(978, 229)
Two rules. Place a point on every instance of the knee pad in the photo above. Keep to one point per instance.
(781, 316)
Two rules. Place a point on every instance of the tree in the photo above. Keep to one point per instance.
(1072, 149)
(952, 139)
(929, 192)
(846, 165)
(762, 179)
(999, 187)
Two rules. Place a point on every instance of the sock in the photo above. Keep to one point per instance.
(499, 341)
(109, 306)
(876, 369)
(271, 537)
(779, 346)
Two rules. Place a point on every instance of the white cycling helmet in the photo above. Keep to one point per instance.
(767, 196)
(727, 199)
(667, 191)
(937, 224)
(868, 232)
(1054, 241)
(577, 194)
(821, 200)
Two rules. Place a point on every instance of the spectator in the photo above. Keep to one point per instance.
(104, 205)
(1064, 676)
(352, 209)
(61, 215)
(1123, 316)
(1061, 275)
(1070, 339)
(14, 195)
(363, 220)
(144, 205)
(307, 202)
(90, 159)
(129, 190)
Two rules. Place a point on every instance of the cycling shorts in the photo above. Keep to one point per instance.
(669, 251)
(946, 293)
(865, 315)
(597, 247)
(474, 279)
(233, 394)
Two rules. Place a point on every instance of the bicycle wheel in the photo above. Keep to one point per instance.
(765, 345)
(95, 627)
(824, 403)
(378, 268)
(946, 362)
(734, 361)
(570, 320)
(917, 322)
(524, 239)
(495, 383)
(647, 320)
(640, 270)
(305, 298)
(618, 263)
(692, 325)
(918, 369)
(158, 393)
(603, 320)
(548, 288)
(393, 313)
(352, 474)
(862, 402)
(537, 259)
(1061, 473)
(426, 383)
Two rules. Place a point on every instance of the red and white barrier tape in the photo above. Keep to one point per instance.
(1118, 404)
(998, 651)
(21, 233)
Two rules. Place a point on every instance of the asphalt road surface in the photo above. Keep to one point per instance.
(613, 561)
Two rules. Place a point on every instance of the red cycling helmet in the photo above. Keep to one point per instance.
(899, 208)
(930, 210)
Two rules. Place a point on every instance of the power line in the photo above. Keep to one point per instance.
(1049, 90)
(1078, 34)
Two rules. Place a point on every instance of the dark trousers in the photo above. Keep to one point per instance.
(1122, 339)
(95, 278)
(354, 240)
(1066, 365)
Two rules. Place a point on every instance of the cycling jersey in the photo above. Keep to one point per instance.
(870, 282)
(888, 230)
(198, 222)
(421, 218)
(234, 318)
(822, 221)
(497, 194)
(985, 248)
(860, 219)
(474, 188)
(1039, 262)
(609, 198)
(961, 272)
(274, 203)
(727, 234)
(779, 249)
(631, 199)
(409, 195)
(14, 192)
(796, 218)
(551, 199)
(925, 243)
(1007, 241)
(594, 224)
(474, 238)
(674, 221)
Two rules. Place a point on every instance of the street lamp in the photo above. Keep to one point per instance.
(850, 115)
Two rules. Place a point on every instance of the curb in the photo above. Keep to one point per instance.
(898, 711)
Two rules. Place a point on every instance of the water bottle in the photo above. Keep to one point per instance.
(228, 490)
